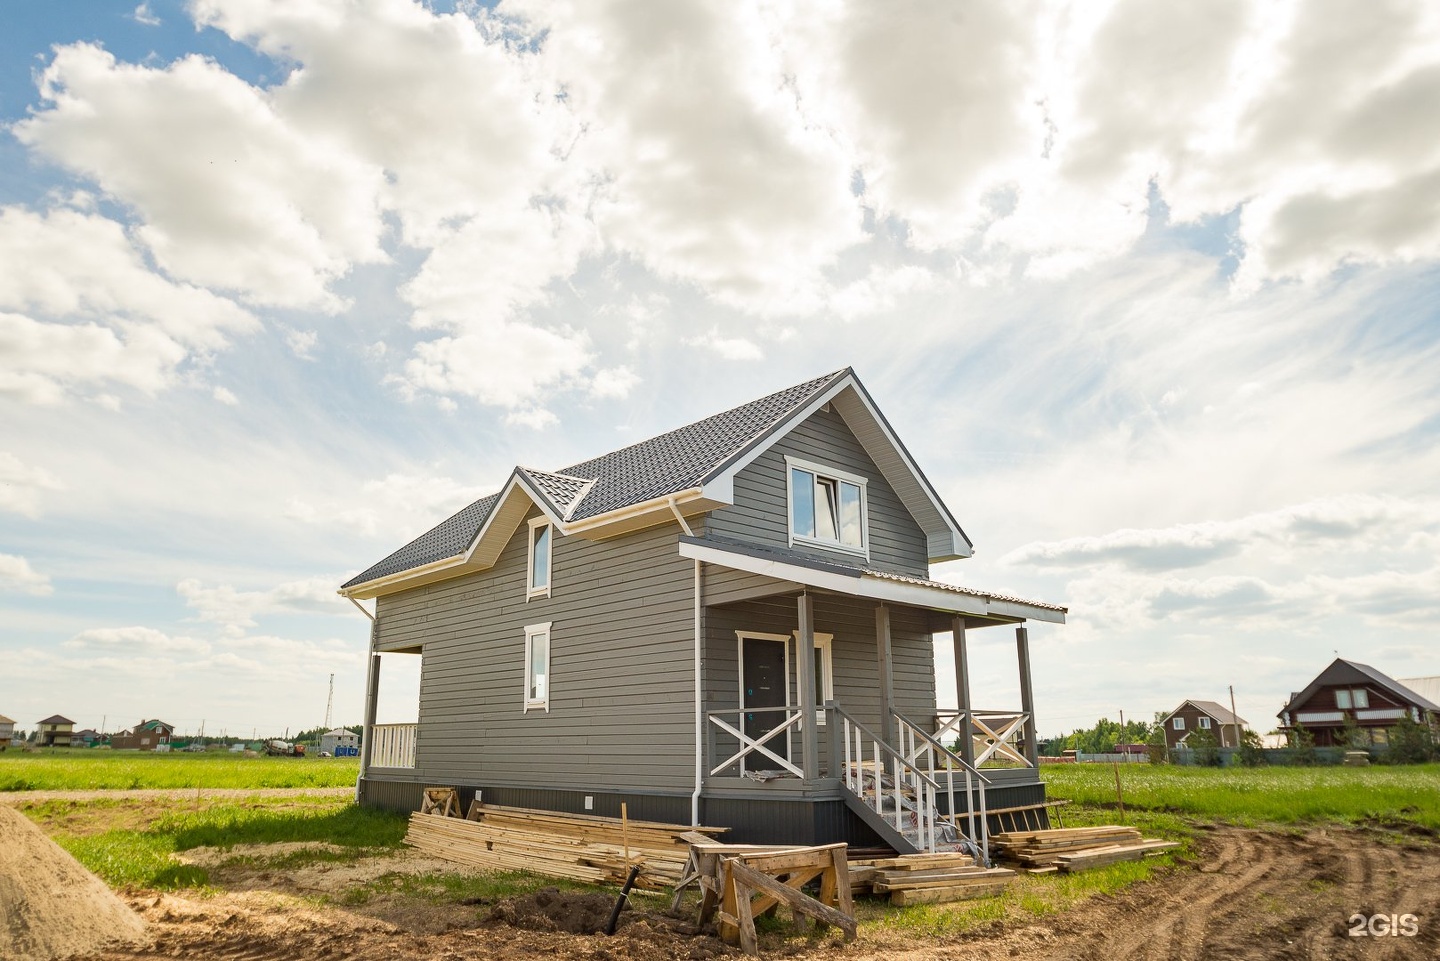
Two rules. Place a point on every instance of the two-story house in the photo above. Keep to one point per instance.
(54, 731)
(7, 732)
(1192, 716)
(146, 736)
(1352, 697)
(732, 623)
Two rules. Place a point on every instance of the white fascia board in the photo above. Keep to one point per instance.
(911, 595)
(722, 486)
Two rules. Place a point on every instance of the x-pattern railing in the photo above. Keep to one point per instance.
(997, 730)
(756, 745)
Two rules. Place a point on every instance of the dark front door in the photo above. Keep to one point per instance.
(764, 684)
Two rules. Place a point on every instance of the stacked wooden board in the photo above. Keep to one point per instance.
(929, 878)
(1074, 849)
(575, 846)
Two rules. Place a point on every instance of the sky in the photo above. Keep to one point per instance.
(1150, 290)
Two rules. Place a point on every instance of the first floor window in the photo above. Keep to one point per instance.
(537, 667)
(824, 673)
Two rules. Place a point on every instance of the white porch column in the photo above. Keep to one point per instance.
(962, 688)
(805, 663)
(885, 672)
(1027, 696)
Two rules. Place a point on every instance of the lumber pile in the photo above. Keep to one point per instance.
(935, 878)
(576, 846)
(1074, 849)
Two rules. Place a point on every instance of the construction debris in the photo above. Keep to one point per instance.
(1074, 849)
(575, 846)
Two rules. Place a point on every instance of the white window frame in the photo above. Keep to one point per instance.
(1361, 699)
(538, 703)
(1177, 723)
(1204, 724)
(533, 590)
(1343, 700)
(824, 643)
(830, 473)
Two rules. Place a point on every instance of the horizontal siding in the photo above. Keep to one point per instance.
(760, 514)
(622, 670)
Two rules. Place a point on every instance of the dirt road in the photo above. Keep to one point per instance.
(1252, 895)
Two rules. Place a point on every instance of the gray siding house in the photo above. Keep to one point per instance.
(732, 624)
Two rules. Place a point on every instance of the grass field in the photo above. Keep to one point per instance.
(80, 770)
(1251, 796)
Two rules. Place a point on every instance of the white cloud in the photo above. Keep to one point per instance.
(21, 485)
(235, 610)
(137, 641)
(231, 196)
(727, 348)
(301, 342)
(18, 576)
(504, 364)
(225, 396)
(143, 15)
(397, 506)
(614, 382)
(80, 309)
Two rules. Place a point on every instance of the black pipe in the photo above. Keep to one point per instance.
(620, 901)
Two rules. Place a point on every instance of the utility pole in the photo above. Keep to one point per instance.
(330, 702)
(1234, 718)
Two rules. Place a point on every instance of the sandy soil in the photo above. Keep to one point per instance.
(1251, 895)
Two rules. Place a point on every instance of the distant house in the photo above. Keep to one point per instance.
(1192, 716)
(1426, 687)
(1354, 695)
(340, 743)
(7, 732)
(88, 737)
(55, 731)
(145, 736)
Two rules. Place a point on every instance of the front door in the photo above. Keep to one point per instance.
(764, 682)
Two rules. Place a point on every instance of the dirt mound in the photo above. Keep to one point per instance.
(50, 906)
(549, 910)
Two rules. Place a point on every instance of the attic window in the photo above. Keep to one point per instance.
(1356, 698)
(827, 507)
(538, 582)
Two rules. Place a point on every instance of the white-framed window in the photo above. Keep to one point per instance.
(1205, 723)
(1178, 723)
(537, 581)
(1361, 697)
(827, 507)
(1342, 700)
(824, 672)
(537, 667)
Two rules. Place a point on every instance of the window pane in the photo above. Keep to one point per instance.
(539, 685)
(819, 677)
(850, 529)
(1362, 698)
(1178, 723)
(1342, 699)
(540, 564)
(1205, 722)
(825, 509)
(802, 494)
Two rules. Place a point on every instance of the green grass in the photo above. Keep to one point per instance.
(83, 770)
(468, 888)
(142, 857)
(1267, 795)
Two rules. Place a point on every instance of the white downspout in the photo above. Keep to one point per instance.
(699, 713)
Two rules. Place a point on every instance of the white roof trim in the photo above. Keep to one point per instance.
(876, 588)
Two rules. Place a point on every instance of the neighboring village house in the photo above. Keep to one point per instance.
(7, 732)
(1348, 694)
(54, 731)
(88, 738)
(1426, 687)
(712, 625)
(1192, 716)
(340, 743)
(145, 736)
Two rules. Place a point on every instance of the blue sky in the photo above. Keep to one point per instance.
(1149, 289)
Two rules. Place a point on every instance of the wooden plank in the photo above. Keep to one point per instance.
(944, 895)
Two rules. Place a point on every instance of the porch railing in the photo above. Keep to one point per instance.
(995, 736)
(942, 764)
(867, 760)
(393, 745)
(753, 747)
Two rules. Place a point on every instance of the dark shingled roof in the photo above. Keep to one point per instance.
(676, 461)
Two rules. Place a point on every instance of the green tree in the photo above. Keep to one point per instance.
(1206, 749)
(1302, 744)
(1155, 745)
(1250, 753)
(1410, 743)
(1351, 734)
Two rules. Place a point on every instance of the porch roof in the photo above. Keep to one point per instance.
(860, 581)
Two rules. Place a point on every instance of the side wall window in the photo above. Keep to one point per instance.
(827, 507)
(541, 536)
(1205, 723)
(537, 667)
(1178, 724)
